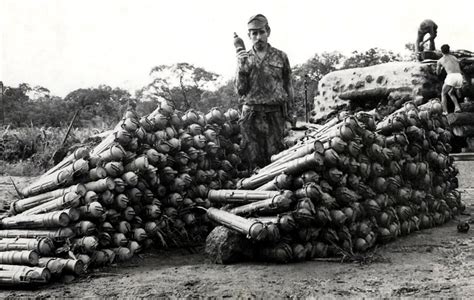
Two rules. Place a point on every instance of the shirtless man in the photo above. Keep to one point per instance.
(453, 81)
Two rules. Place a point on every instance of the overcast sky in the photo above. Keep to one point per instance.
(66, 45)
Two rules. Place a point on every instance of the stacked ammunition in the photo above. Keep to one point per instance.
(342, 189)
(347, 187)
(140, 186)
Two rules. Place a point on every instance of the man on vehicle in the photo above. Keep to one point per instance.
(426, 27)
(453, 81)
(264, 85)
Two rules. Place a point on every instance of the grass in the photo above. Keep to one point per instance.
(27, 151)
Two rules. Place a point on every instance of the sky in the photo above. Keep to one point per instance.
(65, 45)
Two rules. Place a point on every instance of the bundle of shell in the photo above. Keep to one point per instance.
(462, 124)
(351, 186)
(138, 187)
(466, 62)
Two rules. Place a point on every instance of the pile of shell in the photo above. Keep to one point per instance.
(348, 187)
(140, 186)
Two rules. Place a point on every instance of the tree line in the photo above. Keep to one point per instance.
(185, 85)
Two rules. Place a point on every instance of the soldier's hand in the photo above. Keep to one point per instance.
(242, 61)
(242, 55)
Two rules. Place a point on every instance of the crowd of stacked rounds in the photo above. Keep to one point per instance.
(166, 179)
(139, 187)
(350, 186)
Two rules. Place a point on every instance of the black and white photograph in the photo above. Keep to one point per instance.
(236, 149)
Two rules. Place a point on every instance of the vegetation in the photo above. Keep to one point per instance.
(30, 150)
(34, 122)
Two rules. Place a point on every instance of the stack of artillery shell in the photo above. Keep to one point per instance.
(348, 187)
(139, 187)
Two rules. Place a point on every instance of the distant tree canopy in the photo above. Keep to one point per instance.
(26, 106)
(184, 84)
(371, 57)
(309, 74)
(101, 106)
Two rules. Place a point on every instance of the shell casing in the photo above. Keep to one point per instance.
(122, 253)
(85, 228)
(239, 196)
(138, 164)
(113, 153)
(272, 205)
(73, 266)
(49, 183)
(52, 263)
(97, 173)
(81, 152)
(73, 213)
(68, 200)
(296, 166)
(93, 210)
(86, 244)
(255, 230)
(42, 245)
(14, 275)
(21, 205)
(51, 219)
(23, 257)
(100, 185)
(59, 235)
(57, 179)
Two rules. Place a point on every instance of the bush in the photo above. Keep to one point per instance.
(28, 151)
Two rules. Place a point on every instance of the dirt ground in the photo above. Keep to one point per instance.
(438, 262)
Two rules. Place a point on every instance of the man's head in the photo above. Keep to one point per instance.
(259, 31)
(445, 49)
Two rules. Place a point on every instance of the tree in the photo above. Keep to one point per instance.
(412, 52)
(15, 104)
(182, 84)
(225, 97)
(371, 57)
(311, 72)
(38, 92)
(102, 106)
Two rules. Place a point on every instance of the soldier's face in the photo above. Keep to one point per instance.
(259, 38)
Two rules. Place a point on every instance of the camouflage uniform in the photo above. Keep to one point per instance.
(265, 88)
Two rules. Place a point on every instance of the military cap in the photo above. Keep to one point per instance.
(257, 22)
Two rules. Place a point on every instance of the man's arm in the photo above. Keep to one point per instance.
(288, 86)
(242, 80)
(288, 82)
(439, 67)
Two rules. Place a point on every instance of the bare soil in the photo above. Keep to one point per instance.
(438, 262)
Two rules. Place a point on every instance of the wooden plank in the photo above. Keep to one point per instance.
(466, 156)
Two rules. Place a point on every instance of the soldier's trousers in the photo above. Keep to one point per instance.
(262, 129)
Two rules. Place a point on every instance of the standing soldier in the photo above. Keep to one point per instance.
(264, 84)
